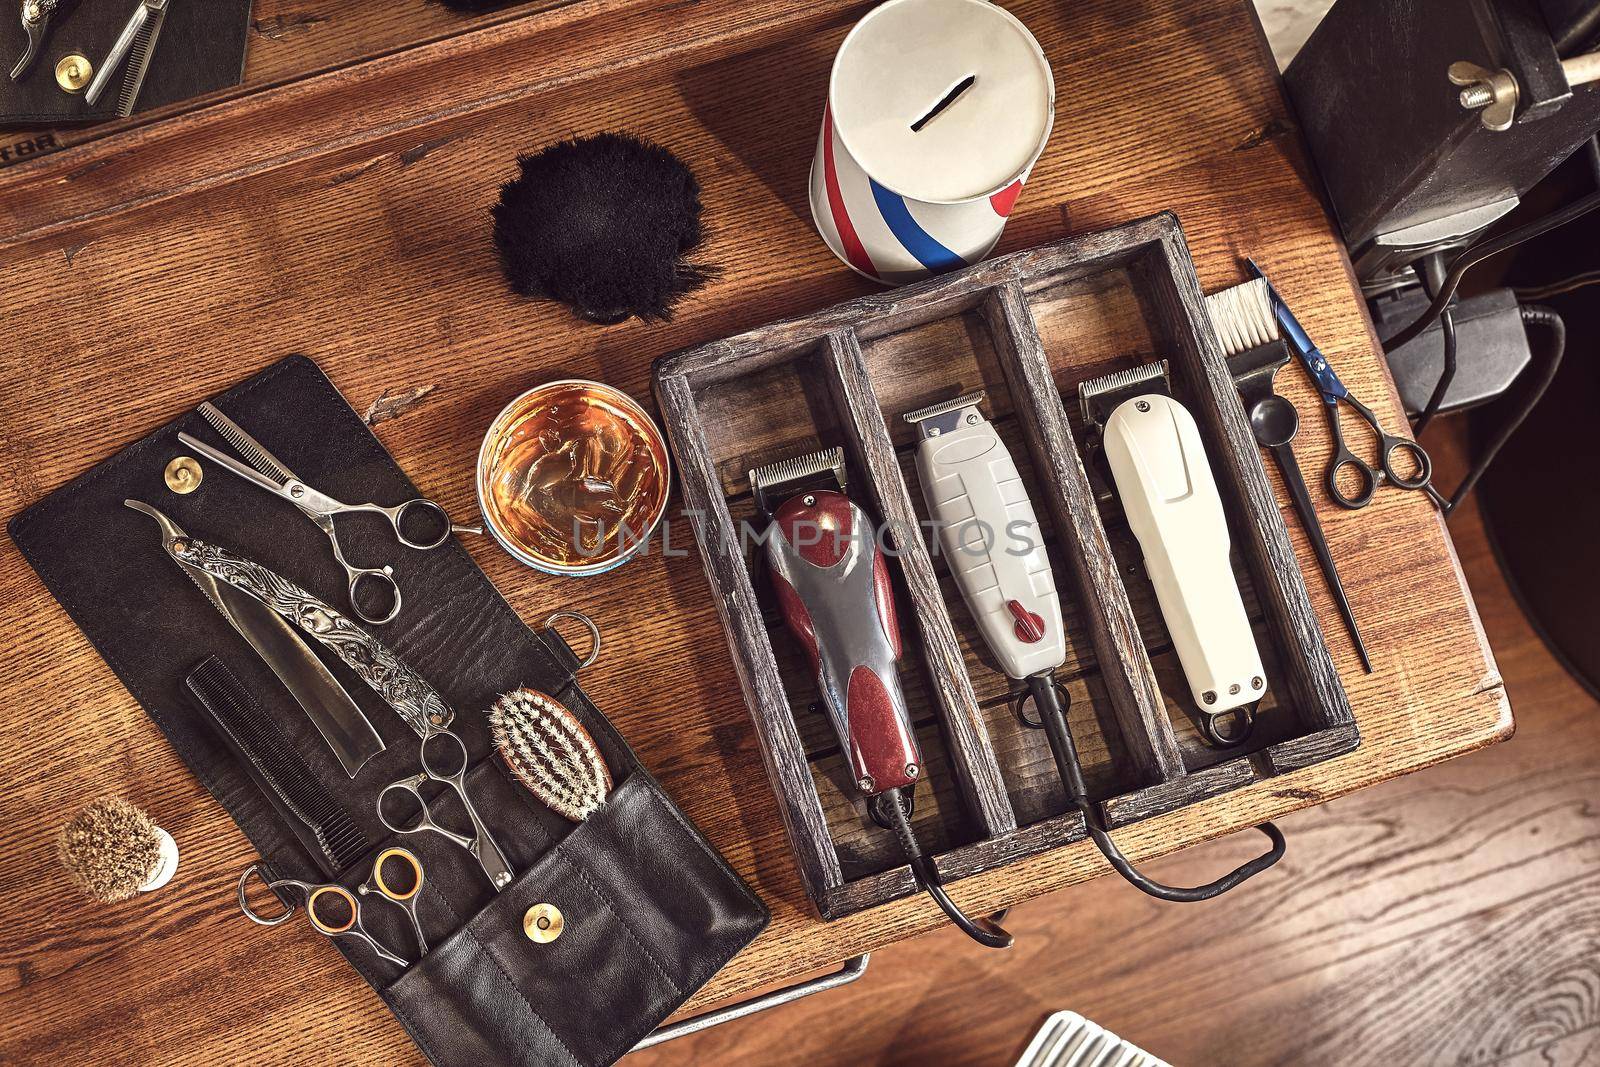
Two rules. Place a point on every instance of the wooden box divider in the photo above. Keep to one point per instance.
(823, 380)
(867, 440)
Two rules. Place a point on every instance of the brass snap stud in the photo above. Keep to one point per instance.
(183, 474)
(74, 72)
(543, 923)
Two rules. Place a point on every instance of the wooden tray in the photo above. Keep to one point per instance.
(1027, 328)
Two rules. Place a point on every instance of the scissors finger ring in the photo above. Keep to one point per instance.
(377, 882)
(381, 588)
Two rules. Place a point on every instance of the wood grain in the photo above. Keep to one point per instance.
(345, 215)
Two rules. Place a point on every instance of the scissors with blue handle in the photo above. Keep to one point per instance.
(323, 903)
(267, 471)
(481, 844)
(1333, 393)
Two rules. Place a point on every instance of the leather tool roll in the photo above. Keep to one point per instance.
(649, 910)
(201, 49)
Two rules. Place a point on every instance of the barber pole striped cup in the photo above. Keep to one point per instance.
(937, 111)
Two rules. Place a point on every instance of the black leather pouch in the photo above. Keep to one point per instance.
(649, 911)
(200, 49)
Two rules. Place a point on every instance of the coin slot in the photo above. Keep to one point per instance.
(945, 101)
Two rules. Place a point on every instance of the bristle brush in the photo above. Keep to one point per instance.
(550, 752)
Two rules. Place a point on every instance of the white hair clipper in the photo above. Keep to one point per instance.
(1169, 496)
(990, 536)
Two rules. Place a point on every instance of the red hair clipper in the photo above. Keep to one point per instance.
(831, 578)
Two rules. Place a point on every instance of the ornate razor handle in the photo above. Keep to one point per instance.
(413, 699)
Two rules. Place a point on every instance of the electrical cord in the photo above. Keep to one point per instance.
(1558, 288)
(1043, 689)
(889, 809)
(1447, 324)
(1532, 315)
(1482, 250)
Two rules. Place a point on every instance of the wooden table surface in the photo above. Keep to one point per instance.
(345, 215)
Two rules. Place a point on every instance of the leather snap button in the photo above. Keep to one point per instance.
(543, 923)
(183, 475)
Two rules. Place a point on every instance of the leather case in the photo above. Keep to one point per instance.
(201, 49)
(650, 910)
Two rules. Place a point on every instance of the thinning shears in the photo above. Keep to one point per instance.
(1334, 391)
(267, 471)
(334, 911)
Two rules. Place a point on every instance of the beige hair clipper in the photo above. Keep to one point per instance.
(1169, 496)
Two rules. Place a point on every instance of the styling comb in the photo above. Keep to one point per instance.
(274, 764)
(549, 751)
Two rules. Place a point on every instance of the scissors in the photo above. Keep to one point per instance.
(328, 919)
(265, 470)
(481, 844)
(1333, 392)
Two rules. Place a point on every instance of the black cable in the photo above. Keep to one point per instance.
(1481, 251)
(1447, 323)
(1594, 157)
(890, 810)
(1065, 750)
(1532, 315)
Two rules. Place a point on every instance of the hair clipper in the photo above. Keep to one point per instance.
(993, 545)
(831, 579)
(1169, 496)
(989, 535)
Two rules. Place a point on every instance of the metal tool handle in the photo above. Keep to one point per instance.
(412, 787)
(396, 516)
(412, 698)
(407, 899)
(371, 578)
(482, 845)
(119, 52)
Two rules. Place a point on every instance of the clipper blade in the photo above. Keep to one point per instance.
(947, 415)
(1099, 397)
(1242, 316)
(967, 400)
(817, 468)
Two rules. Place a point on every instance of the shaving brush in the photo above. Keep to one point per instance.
(602, 224)
(112, 850)
(550, 752)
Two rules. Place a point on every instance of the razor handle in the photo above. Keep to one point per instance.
(832, 584)
(991, 541)
(1171, 501)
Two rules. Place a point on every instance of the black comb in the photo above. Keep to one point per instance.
(276, 765)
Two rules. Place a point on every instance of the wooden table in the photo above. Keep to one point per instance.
(344, 214)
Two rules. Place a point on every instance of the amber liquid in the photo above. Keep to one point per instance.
(577, 477)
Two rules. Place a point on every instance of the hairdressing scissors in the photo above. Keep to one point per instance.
(265, 470)
(1333, 392)
(334, 911)
(481, 844)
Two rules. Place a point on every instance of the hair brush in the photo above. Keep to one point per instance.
(550, 752)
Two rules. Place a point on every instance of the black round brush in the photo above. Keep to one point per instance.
(602, 224)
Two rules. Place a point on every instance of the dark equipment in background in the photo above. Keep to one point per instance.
(1429, 122)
